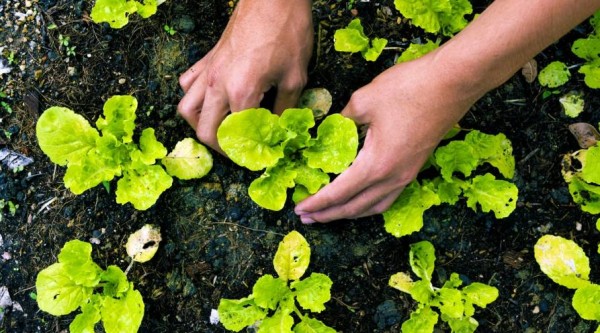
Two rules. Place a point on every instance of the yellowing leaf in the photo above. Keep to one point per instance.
(292, 256)
(563, 261)
(188, 160)
(143, 244)
(401, 281)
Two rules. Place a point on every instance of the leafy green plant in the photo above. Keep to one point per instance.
(274, 300)
(77, 282)
(7, 108)
(405, 216)
(572, 103)
(258, 139)
(116, 12)
(588, 49)
(581, 171)
(353, 39)
(433, 16)
(457, 306)
(12, 207)
(554, 75)
(93, 158)
(414, 51)
(565, 263)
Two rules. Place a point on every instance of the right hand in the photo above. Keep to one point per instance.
(266, 44)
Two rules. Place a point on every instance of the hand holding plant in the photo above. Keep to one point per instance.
(266, 44)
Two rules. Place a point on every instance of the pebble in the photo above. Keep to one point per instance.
(122, 81)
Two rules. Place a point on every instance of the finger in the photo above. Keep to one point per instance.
(191, 104)
(188, 77)
(375, 200)
(287, 96)
(244, 100)
(214, 110)
(341, 190)
(358, 107)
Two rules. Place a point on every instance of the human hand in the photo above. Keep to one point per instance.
(267, 43)
(408, 109)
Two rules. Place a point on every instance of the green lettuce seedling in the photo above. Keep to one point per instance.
(94, 157)
(445, 16)
(457, 306)
(588, 49)
(405, 216)
(116, 12)
(274, 300)
(581, 171)
(353, 39)
(258, 139)
(415, 51)
(77, 282)
(564, 262)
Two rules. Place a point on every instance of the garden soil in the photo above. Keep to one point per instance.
(216, 241)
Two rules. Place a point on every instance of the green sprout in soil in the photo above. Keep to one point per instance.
(94, 157)
(274, 300)
(457, 306)
(258, 139)
(456, 163)
(565, 263)
(353, 39)
(77, 282)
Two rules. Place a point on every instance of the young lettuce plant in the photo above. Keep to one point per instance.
(405, 216)
(77, 282)
(565, 263)
(353, 39)
(258, 139)
(445, 16)
(94, 157)
(116, 12)
(581, 171)
(274, 300)
(457, 306)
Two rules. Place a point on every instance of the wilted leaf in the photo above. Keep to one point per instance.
(530, 71)
(586, 134)
(572, 103)
(319, 100)
(143, 244)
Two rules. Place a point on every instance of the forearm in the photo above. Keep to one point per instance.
(505, 36)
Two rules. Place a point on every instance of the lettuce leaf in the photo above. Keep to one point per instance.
(119, 117)
(142, 186)
(492, 194)
(415, 51)
(65, 136)
(189, 159)
(252, 138)
(313, 292)
(554, 75)
(335, 146)
(292, 257)
(445, 16)
(123, 315)
(405, 216)
(563, 261)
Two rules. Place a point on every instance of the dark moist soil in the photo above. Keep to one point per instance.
(216, 241)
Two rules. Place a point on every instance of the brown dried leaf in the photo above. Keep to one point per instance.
(530, 71)
(317, 99)
(586, 134)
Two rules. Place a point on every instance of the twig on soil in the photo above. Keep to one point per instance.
(530, 155)
(45, 205)
(248, 228)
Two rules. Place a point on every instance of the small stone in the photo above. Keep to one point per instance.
(71, 71)
(536, 310)
(578, 226)
(6, 256)
(122, 81)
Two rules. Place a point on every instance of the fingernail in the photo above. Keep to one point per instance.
(306, 220)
